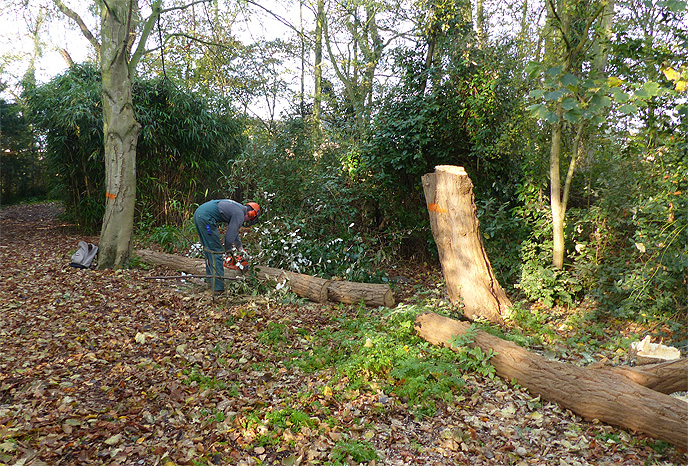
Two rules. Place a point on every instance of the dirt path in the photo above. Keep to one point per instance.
(108, 368)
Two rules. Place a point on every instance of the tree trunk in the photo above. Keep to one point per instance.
(480, 24)
(455, 227)
(120, 130)
(317, 71)
(309, 287)
(618, 396)
(558, 212)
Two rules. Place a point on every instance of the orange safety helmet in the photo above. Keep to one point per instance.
(253, 213)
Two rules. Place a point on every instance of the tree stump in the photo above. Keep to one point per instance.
(618, 396)
(455, 227)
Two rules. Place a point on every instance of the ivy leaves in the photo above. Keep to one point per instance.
(565, 96)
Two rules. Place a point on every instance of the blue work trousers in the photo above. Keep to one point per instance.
(206, 226)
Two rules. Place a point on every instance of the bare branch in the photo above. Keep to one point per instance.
(74, 16)
(196, 39)
(184, 7)
(157, 10)
(281, 20)
(588, 25)
(147, 28)
(67, 57)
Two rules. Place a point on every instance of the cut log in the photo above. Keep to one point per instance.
(456, 230)
(313, 288)
(306, 286)
(373, 294)
(172, 262)
(607, 394)
(664, 377)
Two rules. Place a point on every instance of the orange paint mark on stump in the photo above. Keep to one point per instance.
(110, 195)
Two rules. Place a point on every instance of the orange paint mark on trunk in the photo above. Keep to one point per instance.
(436, 208)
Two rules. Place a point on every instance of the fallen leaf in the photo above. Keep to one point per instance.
(114, 440)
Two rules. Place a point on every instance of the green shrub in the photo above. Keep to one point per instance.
(630, 248)
(540, 281)
(290, 244)
(182, 147)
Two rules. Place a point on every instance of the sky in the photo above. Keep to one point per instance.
(16, 42)
(60, 32)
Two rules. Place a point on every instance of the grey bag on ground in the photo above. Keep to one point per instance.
(84, 255)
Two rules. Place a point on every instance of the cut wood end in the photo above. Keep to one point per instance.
(452, 169)
(647, 352)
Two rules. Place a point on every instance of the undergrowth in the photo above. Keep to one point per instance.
(382, 354)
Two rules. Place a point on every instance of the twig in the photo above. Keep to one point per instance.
(167, 277)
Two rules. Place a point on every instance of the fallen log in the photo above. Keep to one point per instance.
(621, 397)
(373, 294)
(312, 288)
(306, 286)
(171, 261)
(664, 377)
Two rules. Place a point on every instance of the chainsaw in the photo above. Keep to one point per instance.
(236, 263)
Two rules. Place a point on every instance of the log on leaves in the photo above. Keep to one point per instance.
(309, 287)
(372, 294)
(612, 395)
(172, 262)
(306, 286)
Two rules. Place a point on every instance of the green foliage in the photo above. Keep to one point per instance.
(289, 418)
(295, 172)
(626, 229)
(464, 118)
(534, 325)
(172, 239)
(472, 359)
(68, 112)
(292, 245)
(196, 377)
(165, 237)
(630, 247)
(420, 379)
(315, 220)
(274, 335)
(22, 170)
(540, 281)
(503, 235)
(389, 355)
(182, 146)
(358, 451)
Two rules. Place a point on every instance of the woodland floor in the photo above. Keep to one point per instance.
(107, 367)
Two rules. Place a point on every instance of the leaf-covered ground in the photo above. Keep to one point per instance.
(108, 367)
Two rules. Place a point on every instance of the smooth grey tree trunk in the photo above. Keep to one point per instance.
(121, 131)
